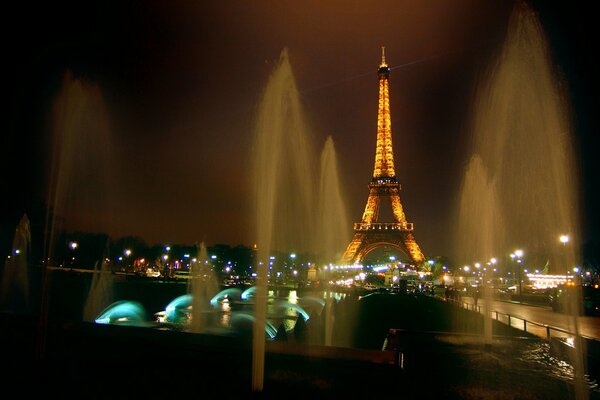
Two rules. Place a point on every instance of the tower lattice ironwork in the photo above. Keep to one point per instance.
(369, 233)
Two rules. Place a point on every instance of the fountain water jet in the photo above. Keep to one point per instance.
(284, 189)
(203, 287)
(292, 211)
(81, 154)
(100, 295)
(334, 230)
(521, 187)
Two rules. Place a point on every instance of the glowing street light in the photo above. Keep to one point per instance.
(73, 246)
(127, 253)
(519, 254)
(564, 239)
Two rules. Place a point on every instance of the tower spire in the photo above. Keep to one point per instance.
(384, 155)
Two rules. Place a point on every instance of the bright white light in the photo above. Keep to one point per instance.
(168, 248)
(127, 252)
(564, 238)
(519, 253)
(165, 257)
(293, 255)
(493, 260)
(73, 245)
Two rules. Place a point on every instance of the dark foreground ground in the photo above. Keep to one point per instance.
(81, 360)
(437, 352)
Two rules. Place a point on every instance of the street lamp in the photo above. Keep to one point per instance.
(518, 254)
(127, 253)
(73, 246)
(564, 239)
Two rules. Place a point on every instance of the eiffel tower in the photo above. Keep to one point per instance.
(369, 233)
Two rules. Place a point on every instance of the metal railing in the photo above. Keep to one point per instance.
(535, 328)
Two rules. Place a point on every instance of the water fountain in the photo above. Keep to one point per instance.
(81, 154)
(202, 286)
(334, 230)
(100, 294)
(294, 211)
(521, 185)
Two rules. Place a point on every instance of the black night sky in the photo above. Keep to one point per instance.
(180, 81)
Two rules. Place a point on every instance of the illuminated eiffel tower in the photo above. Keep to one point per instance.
(369, 233)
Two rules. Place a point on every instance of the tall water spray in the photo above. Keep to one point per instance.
(81, 188)
(284, 190)
(299, 207)
(521, 186)
(81, 183)
(522, 135)
(333, 231)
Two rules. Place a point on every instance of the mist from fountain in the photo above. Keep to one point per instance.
(521, 186)
(14, 295)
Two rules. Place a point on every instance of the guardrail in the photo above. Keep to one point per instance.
(535, 328)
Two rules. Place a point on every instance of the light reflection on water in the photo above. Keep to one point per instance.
(545, 359)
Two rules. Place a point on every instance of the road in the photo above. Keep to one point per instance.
(539, 318)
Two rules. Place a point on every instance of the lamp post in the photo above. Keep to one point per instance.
(564, 239)
(73, 246)
(518, 255)
(127, 253)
